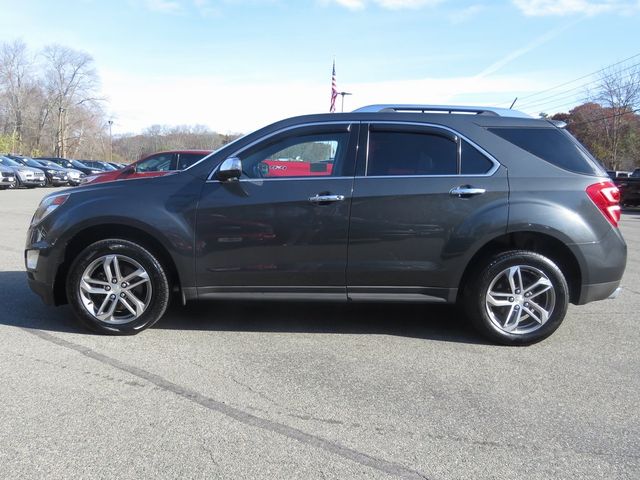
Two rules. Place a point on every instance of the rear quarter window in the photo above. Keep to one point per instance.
(553, 145)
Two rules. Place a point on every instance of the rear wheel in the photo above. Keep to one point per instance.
(117, 287)
(517, 297)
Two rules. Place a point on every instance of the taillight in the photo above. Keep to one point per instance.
(606, 196)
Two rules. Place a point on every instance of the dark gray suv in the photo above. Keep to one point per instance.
(506, 215)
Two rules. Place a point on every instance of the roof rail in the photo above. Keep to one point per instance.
(499, 112)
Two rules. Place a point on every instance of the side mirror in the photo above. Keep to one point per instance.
(231, 169)
(130, 170)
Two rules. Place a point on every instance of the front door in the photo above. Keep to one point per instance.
(283, 227)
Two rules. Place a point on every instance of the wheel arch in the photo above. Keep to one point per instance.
(92, 234)
(544, 244)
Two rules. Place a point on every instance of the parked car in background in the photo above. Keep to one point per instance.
(54, 176)
(7, 177)
(629, 189)
(74, 164)
(119, 166)
(99, 165)
(25, 176)
(74, 176)
(507, 215)
(154, 165)
(613, 174)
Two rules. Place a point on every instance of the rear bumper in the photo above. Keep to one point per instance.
(598, 291)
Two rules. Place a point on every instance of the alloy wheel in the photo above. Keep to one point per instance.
(520, 299)
(115, 289)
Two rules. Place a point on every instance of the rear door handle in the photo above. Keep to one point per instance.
(326, 198)
(466, 191)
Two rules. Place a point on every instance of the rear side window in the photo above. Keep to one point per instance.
(398, 153)
(474, 162)
(555, 146)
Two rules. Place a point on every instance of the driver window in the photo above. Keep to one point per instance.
(157, 163)
(300, 156)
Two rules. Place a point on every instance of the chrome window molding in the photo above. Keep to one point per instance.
(492, 159)
(273, 134)
(489, 173)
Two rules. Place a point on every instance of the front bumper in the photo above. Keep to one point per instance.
(7, 181)
(58, 179)
(33, 181)
(42, 266)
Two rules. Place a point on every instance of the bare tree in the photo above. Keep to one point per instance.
(70, 81)
(619, 92)
(16, 84)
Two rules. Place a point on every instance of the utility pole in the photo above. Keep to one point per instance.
(342, 94)
(110, 122)
(60, 149)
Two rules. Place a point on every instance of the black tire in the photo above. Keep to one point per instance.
(477, 309)
(159, 286)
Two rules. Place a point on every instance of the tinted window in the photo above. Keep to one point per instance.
(300, 156)
(75, 163)
(157, 163)
(185, 160)
(555, 146)
(403, 153)
(474, 162)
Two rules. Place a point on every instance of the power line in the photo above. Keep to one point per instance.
(576, 79)
(562, 94)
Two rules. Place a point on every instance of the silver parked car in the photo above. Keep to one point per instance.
(74, 176)
(25, 176)
(7, 178)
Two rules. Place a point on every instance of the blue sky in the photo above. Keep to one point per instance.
(235, 65)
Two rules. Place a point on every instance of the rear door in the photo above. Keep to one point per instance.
(424, 198)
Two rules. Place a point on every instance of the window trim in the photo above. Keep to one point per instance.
(451, 132)
(211, 179)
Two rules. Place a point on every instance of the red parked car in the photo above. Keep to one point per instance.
(155, 165)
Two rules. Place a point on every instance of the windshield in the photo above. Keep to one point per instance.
(108, 167)
(32, 163)
(79, 164)
(8, 162)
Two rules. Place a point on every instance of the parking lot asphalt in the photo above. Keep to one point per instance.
(294, 390)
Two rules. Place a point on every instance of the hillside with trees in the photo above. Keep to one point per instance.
(50, 105)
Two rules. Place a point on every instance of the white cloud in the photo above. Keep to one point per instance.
(537, 8)
(535, 43)
(466, 14)
(163, 6)
(231, 106)
(387, 4)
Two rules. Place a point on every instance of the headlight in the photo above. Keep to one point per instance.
(48, 205)
(52, 172)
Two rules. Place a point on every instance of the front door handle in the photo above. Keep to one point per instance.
(466, 191)
(326, 198)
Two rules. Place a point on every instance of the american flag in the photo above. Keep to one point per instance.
(334, 89)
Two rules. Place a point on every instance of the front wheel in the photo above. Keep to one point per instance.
(117, 287)
(517, 297)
